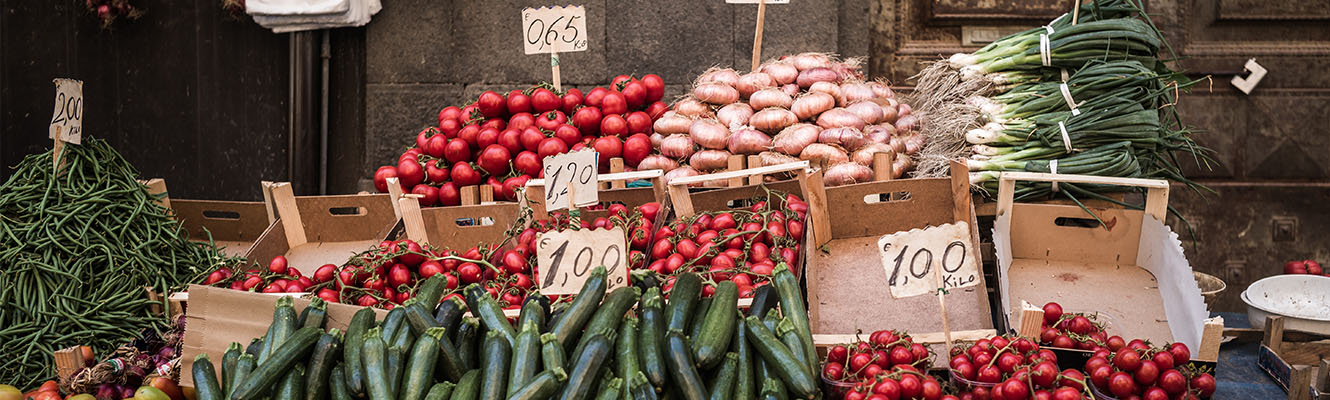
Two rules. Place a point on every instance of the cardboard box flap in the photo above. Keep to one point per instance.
(460, 227)
(1068, 233)
(1002, 251)
(233, 221)
(1161, 253)
(920, 200)
(346, 217)
(740, 197)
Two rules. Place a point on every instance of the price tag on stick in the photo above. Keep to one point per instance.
(67, 120)
(570, 180)
(554, 30)
(566, 259)
(912, 258)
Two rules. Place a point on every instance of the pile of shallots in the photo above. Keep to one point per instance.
(808, 106)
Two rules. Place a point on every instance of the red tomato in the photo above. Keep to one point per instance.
(436, 171)
(449, 195)
(434, 146)
(450, 113)
(429, 195)
(594, 97)
(638, 122)
(518, 102)
(543, 100)
(614, 124)
(277, 265)
(655, 87)
(325, 273)
(487, 137)
(410, 173)
(457, 151)
(551, 120)
(635, 94)
(571, 100)
(491, 104)
(450, 127)
(511, 139)
(608, 147)
(657, 110)
(381, 178)
(521, 120)
(424, 136)
(588, 120)
(464, 175)
(494, 160)
(614, 103)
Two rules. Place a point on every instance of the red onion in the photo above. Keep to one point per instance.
(807, 61)
(680, 173)
(108, 391)
(782, 73)
(127, 391)
(709, 159)
(905, 123)
(808, 106)
(716, 93)
(752, 82)
(677, 146)
(722, 75)
(748, 141)
(657, 161)
(808, 77)
(733, 115)
(839, 118)
(848, 138)
(847, 173)
(855, 91)
(880, 133)
(827, 154)
(672, 123)
(790, 89)
(772, 119)
(881, 90)
(794, 139)
(868, 111)
(690, 107)
(770, 98)
(864, 155)
(904, 109)
(829, 88)
(709, 133)
(774, 158)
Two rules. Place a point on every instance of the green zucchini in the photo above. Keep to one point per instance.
(533, 312)
(396, 367)
(495, 358)
(244, 367)
(339, 389)
(640, 388)
(695, 321)
(744, 384)
(449, 366)
(419, 374)
(315, 314)
(526, 357)
(255, 347)
(418, 318)
(679, 356)
(440, 391)
(283, 323)
(542, 386)
(611, 311)
(205, 379)
(449, 313)
(722, 386)
(292, 384)
(467, 343)
(582, 379)
(717, 326)
(683, 298)
(773, 388)
(781, 359)
(326, 352)
(374, 354)
(395, 321)
(764, 299)
(625, 351)
(404, 338)
(551, 352)
(468, 388)
(295, 349)
(792, 306)
(790, 338)
(651, 338)
(362, 321)
(431, 291)
(229, 365)
(489, 312)
(613, 389)
(569, 325)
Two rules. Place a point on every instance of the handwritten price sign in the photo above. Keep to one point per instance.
(911, 259)
(67, 120)
(554, 29)
(566, 259)
(573, 175)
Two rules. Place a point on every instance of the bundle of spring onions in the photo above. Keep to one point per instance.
(1086, 94)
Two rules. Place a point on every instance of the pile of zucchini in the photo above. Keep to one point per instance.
(628, 344)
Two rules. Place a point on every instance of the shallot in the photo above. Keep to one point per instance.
(881, 90)
(790, 89)
(681, 172)
(905, 123)
(856, 91)
(677, 146)
(782, 73)
(672, 123)
(773, 119)
(807, 61)
(808, 106)
(864, 155)
(656, 161)
(879, 133)
(747, 140)
(795, 138)
(810, 76)
(716, 93)
(829, 88)
(733, 115)
(709, 133)
(690, 107)
(868, 111)
(827, 154)
(709, 160)
(839, 118)
(847, 173)
(848, 138)
(770, 98)
(774, 158)
(752, 82)
(722, 75)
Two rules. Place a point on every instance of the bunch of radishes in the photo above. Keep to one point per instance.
(807, 106)
(860, 364)
(1003, 368)
(1137, 371)
(501, 140)
(739, 245)
(1072, 331)
(637, 226)
(1304, 267)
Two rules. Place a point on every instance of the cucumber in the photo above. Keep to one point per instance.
(440, 391)
(612, 389)
(315, 314)
(680, 360)
(569, 325)
(419, 375)
(468, 388)
(774, 389)
(326, 352)
(495, 358)
(467, 343)
(625, 351)
(533, 311)
(449, 366)
(449, 313)
(526, 357)
(362, 321)
(205, 379)
(489, 312)
(792, 306)
(745, 386)
(722, 387)
(244, 367)
(395, 321)
(374, 354)
(229, 365)
(396, 367)
(431, 291)
(283, 323)
(551, 352)
(695, 321)
(651, 338)
(418, 318)
(292, 384)
(781, 359)
(683, 298)
(582, 379)
(339, 389)
(542, 386)
(640, 388)
(717, 327)
(790, 338)
(611, 311)
(255, 347)
(764, 299)
(264, 376)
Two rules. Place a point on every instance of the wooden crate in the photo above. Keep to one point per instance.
(1298, 361)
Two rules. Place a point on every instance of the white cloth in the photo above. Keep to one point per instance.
(357, 14)
(296, 7)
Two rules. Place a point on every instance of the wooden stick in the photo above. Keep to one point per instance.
(757, 35)
(56, 161)
(554, 70)
(754, 162)
(616, 166)
(736, 163)
(942, 305)
(486, 194)
(470, 194)
(882, 162)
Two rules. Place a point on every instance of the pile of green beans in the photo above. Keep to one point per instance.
(78, 247)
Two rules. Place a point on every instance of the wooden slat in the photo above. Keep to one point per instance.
(486, 194)
(616, 166)
(266, 188)
(882, 162)
(1211, 337)
(815, 193)
(736, 163)
(414, 223)
(470, 195)
(679, 198)
(1156, 203)
(395, 193)
(923, 338)
(755, 162)
(1032, 320)
(285, 200)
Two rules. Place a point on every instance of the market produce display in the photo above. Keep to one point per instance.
(1137, 370)
(890, 364)
(808, 106)
(1085, 95)
(153, 360)
(501, 140)
(637, 228)
(86, 237)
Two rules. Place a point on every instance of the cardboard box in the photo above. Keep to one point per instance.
(615, 194)
(458, 227)
(233, 226)
(218, 317)
(848, 289)
(1133, 269)
(315, 230)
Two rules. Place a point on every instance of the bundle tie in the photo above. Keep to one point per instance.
(1066, 95)
(1044, 51)
(1053, 168)
(1066, 139)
